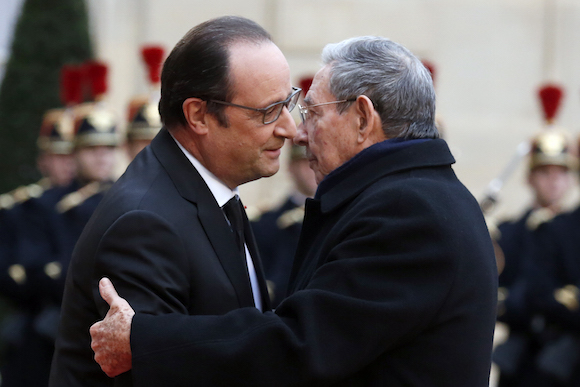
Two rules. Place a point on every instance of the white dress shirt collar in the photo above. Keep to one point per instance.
(221, 192)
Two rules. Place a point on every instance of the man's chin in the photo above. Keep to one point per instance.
(268, 171)
(271, 172)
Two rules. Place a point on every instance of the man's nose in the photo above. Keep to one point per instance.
(285, 125)
(301, 137)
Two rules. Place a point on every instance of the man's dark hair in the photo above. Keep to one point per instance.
(198, 66)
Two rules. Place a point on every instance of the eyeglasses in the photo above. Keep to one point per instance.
(304, 109)
(271, 112)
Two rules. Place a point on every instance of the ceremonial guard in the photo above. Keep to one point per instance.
(55, 161)
(26, 355)
(144, 121)
(48, 227)
(554, 298)
(277, 231)
(95, 142)
(551, 161)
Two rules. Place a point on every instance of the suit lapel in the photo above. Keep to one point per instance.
(192, 187)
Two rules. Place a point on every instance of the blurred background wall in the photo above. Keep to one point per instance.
(490, 57)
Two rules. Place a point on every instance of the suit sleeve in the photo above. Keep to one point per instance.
(144, 258)
(381, 283)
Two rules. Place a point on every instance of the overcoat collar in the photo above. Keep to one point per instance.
(432, 153)
(429, 153)
(192, 187)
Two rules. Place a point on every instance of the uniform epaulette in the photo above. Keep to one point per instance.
(53, 270)
(290, 217)
(36, 190)
(44, 183)
(23, 193)
(567, 296)
(6, 201)
(538, 217)
(78, 197)
(18, 273)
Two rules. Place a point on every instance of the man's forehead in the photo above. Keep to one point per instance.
(319, 90)
(261, 69)
(251, 57)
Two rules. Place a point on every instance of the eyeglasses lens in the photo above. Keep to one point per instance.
(273, 113)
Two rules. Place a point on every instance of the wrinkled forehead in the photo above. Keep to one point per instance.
(320, 89)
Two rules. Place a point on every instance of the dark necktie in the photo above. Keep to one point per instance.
(233, 210)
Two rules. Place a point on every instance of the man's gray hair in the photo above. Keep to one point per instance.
(396, 81)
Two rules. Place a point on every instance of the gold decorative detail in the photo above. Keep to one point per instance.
(538, 217)
(44, 183)
(253, 213)
(101, 120)
(151, 114)
(552, 147)
(568, 296)
(66, 126)
(271, 289)
(53, 270)
(20, 194)
(35, 191)
(23, 193)
(552, 143)
(18, 273)
(290, 217)
(6, 201)
(502, 294)
(78, 197)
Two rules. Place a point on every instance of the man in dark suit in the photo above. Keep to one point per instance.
(394, 282)
(160, 233)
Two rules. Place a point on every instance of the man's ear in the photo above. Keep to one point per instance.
(368, 118)
(195, 113)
